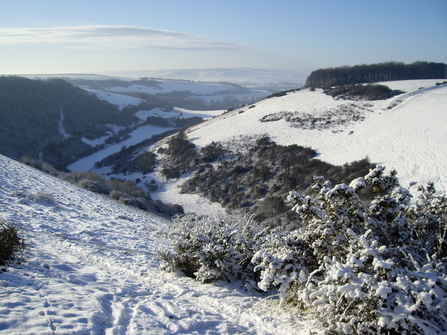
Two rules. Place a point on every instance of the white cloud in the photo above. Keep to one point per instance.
(110, 37)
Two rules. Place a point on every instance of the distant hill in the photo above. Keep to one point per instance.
(245, 158)
(48, 119)
(60, 122)
(242, 76)
(261, 151)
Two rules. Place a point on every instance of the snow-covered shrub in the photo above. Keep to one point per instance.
(364, 269)
(211, 249)
(284, 260)
(10, 242)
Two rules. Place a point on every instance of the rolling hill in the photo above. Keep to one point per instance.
(60, 119)
(405, 132)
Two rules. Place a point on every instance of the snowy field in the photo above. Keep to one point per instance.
(406, 132)
(179, 112)
(173, 85)
(92, 267)
(138, 135)
(120, 100)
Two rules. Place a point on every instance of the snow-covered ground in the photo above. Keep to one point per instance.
(411, 136)
(120, 100)
(136, 136)
(91, 267)
(166, 86)
(177, 112)
(407, 132)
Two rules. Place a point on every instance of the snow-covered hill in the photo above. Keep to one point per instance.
(117, 89)
(91, 267)
(242, 76)
(407, 132)
(138, 135)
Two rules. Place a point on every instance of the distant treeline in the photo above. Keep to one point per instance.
(376, 72)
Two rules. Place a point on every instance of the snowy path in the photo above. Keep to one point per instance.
(92, 268)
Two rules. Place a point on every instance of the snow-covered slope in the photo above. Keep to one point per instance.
(120, 92)
(407, 132)
(120, 100)
(92, 268)
(411, 136)
(138, 135)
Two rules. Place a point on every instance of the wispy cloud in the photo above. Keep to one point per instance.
(110, 37)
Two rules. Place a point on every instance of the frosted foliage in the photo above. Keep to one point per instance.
(364, 269)
(211, 249)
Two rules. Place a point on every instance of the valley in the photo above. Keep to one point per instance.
(93, 264)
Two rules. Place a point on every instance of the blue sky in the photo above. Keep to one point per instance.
(57, 36)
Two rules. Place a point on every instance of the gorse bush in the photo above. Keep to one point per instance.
(377, 268)
(180, 156)
(210, 249)
(374, 269)
(10, 242)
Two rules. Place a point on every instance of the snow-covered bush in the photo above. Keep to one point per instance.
(211, 249)
(284, 259)
(364, 269)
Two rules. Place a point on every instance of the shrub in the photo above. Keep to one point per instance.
(373, 269)
(151, 186)
(212, 152)
(10, 242)
(263, 169)
(210, 249)
(30, 161)
(361, 269)
(271, 206)
(368, 92)
(38, 164)
(127, 186)
(146, 162)
(96, 186)
(181, 156)
(171, 172)
(116, 195)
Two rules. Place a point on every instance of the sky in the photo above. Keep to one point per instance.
(97, 36)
